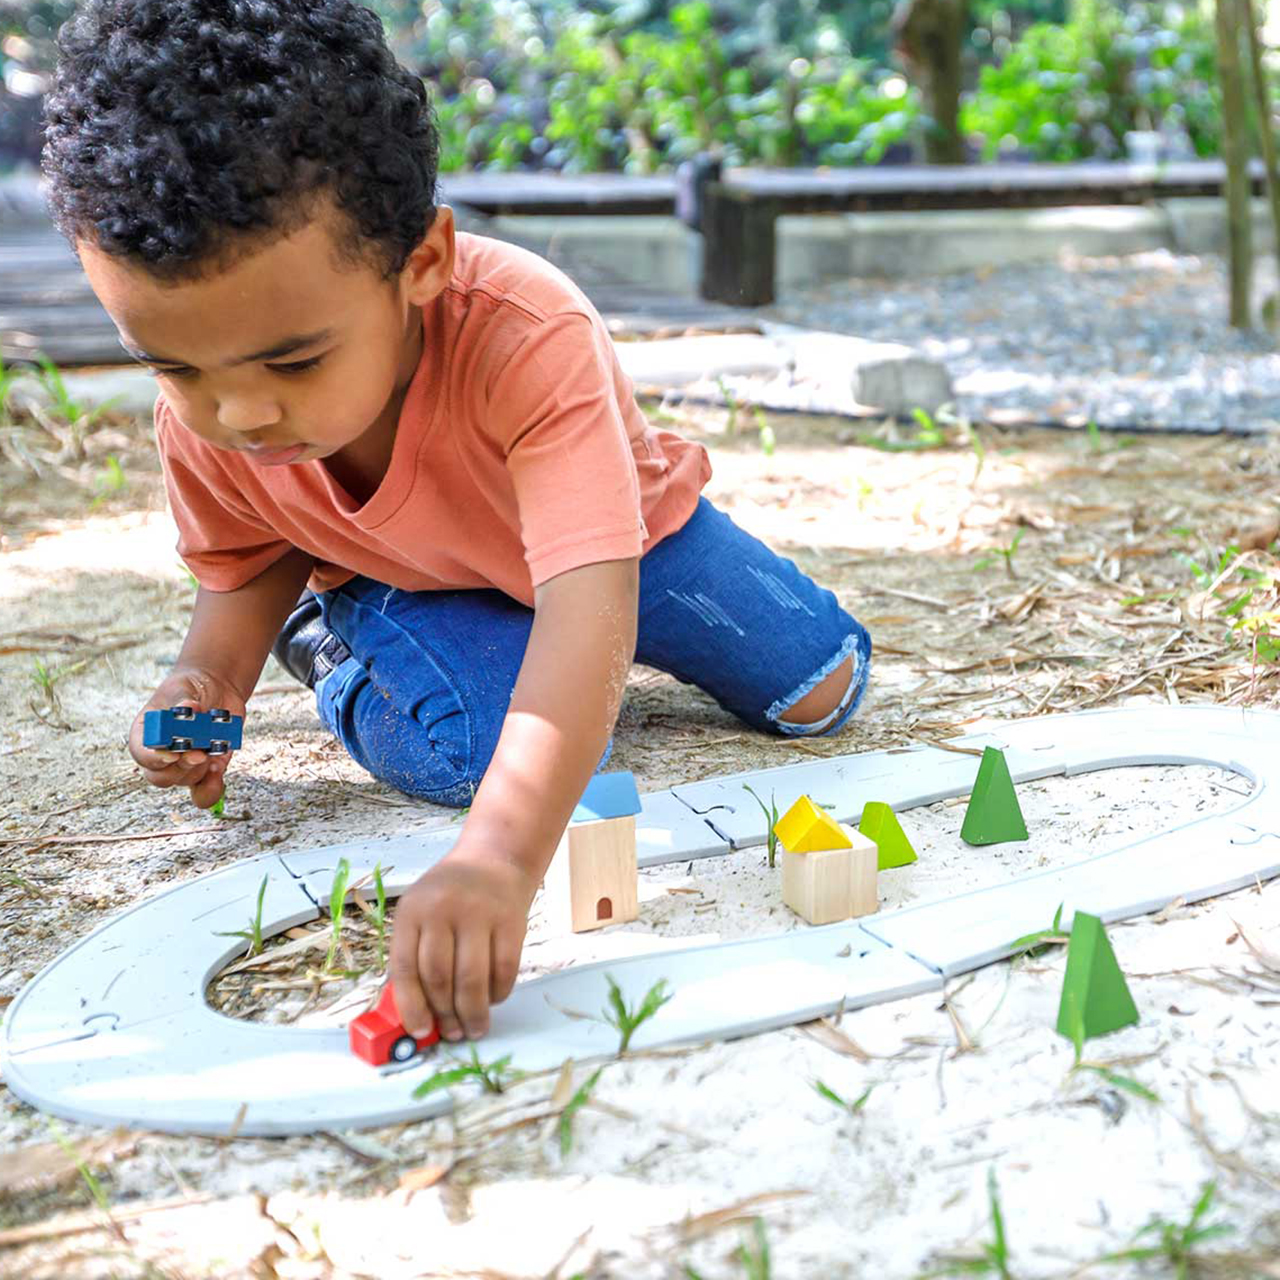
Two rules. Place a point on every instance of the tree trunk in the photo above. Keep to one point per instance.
(1235, 153)
(928, 38)
(1262, 99)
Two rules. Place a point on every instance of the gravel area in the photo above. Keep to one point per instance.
(1137, 343)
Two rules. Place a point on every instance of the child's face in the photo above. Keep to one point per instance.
(290, 353)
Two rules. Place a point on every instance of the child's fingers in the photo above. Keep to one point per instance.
(471, 981)
(435, 967)
(504, 965)
(179, 772)
(402, 966)
(208, 790)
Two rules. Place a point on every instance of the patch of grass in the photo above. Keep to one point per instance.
(1032, 944)
(626, 1021)
(571, 1109)
(109, 481)
(768, 441)
(219, 806)
(337, 905)
(493, 1077)
(380, 915)
(771, 820)
(253, 933)
(993, 1258)
(1005, 553)
(929, 435)
(1118, 1081)
(732, 403)
(86, 1174)
(753, 1253)
(1176, 1243)
(851, 1107)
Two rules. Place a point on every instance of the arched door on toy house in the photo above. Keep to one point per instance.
(604, 909)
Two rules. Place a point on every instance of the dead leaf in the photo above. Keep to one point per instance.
(420, 1179)
(563, 1090)
(705, 1224)
(272, 954)
(49, 1165)
(1261, 536)
(1267, 959)
(834, 1039)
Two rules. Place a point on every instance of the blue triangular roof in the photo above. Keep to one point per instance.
(608, 795)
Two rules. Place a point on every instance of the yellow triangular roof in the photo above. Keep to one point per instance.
(805, 828)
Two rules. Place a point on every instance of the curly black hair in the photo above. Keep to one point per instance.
(177, 128)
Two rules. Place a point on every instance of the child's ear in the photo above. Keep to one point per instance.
(429, 268)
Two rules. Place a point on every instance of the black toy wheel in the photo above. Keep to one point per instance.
(183, 713)
(404, 1049)
(220, 715)
(218, 748)
(179, 744)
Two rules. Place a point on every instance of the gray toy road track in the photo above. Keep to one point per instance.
(116, 1030)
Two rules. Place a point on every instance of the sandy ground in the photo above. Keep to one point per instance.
(699, 1161)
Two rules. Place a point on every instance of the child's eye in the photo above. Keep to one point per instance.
(170, 373)
(297, 366)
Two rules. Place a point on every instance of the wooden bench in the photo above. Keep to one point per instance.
(737, 210)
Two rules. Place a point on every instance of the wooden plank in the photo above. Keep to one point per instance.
(738, 245)
(549, 193)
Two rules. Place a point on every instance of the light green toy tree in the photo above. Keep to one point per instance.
(880, 823)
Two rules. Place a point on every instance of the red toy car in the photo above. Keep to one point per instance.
(378, 1036)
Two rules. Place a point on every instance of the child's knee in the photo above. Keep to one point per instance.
(824, 707)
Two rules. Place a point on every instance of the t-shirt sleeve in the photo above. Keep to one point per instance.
(221, 539)
(553, 410)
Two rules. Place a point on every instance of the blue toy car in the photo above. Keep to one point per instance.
(186, 729)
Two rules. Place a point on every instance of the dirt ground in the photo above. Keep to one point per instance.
(1001, 574)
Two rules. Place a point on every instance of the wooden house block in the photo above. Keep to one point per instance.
(592, 880)
(805, 828)
(828, 885)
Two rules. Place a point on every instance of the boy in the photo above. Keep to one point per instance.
(432, 430)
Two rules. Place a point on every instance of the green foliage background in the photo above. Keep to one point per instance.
(639, 85)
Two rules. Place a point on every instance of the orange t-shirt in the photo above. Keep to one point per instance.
(520, 454)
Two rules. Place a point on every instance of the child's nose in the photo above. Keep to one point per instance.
(244, 414)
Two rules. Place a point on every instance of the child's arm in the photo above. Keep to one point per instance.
(230, 635)
(459, 930)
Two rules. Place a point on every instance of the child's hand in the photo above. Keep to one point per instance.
(455, 948)
(195, 769)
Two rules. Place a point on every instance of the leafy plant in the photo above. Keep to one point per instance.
(768, 440)
(1118, 1081)
(109, 481)
(993, 1258)
(86, 1174)
(572, 1107)
(1176, 1243)
(337, 904)
(852, 1107)
(253, 933)
(753, 1253)
(771, 820)
(1033, 943)
(1007, 553)
(380, 915)
(493, 1077)
(626, 1021)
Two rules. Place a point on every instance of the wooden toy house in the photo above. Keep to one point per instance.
(592, 880)
(828, 871)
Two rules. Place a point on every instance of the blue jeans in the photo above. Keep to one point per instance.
(421, 701)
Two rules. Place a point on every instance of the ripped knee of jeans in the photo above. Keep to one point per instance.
(855, 646)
